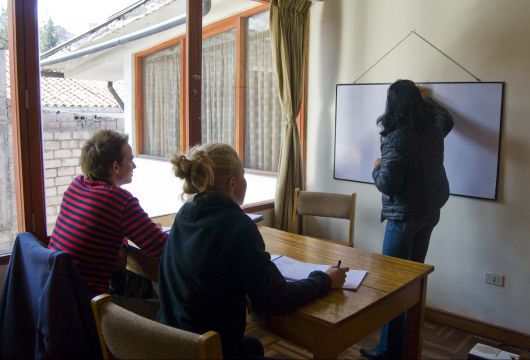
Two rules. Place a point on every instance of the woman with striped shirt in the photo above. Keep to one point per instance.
(97, 216)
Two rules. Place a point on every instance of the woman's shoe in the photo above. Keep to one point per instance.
(372, 354)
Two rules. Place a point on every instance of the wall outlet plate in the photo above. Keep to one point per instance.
(494, 279)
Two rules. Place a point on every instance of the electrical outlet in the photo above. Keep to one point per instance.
(494, 279)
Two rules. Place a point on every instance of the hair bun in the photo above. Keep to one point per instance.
(181, 166)
(203, 164)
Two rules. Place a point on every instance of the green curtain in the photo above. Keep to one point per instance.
(289, 20)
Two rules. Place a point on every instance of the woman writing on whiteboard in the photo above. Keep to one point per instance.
(411, 177)
(215, 257)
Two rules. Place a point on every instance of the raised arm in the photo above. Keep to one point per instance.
(443, 117)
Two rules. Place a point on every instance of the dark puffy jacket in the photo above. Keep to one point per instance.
(411, 176)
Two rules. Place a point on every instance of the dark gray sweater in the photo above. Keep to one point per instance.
(213, 258)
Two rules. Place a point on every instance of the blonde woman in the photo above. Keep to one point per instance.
(215, 257)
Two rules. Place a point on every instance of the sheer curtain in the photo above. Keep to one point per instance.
(263, 117)
(219, 88)
(161, 77)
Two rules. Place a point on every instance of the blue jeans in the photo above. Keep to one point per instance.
(406, 240)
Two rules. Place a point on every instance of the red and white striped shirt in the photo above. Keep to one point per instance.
(94, 220)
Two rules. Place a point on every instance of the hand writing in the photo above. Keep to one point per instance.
(337, 276)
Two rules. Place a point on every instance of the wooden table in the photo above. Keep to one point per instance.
(332, 323)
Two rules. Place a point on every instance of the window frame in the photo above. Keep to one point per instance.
(237, 22)
(26, 118)
(139, 93)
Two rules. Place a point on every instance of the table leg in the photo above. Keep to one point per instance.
(415, 318)
(325, 347)
(325, 354)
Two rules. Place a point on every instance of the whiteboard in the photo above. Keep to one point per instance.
(471, 157)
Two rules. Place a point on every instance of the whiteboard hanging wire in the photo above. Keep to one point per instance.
(428, 42)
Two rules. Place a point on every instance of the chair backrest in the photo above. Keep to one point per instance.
(126, 335)
(44, 302)
(326, 205)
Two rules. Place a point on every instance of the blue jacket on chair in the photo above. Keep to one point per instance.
(45, 306)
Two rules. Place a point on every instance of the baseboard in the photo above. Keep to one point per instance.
(480, 328)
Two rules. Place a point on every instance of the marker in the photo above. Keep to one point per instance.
(338, 264)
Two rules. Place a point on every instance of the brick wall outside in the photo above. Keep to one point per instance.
(7, 190)
(64, 132)
(63, 136)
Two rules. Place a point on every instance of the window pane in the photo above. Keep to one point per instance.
(8, 216)
(219, 88)
(72, 108)
(263, 113)
(161, 97)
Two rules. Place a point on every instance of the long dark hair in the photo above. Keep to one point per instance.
(405, 108)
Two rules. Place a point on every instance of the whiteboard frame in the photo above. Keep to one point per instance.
(491, 121)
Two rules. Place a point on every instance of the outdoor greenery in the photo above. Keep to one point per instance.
(51, 34)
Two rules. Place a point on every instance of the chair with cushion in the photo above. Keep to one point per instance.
(324, 204)
(126, 335)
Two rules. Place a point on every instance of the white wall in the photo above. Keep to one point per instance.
(490, 39)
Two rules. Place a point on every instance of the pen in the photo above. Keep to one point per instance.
(338, 264)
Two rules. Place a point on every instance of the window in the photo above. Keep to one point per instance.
(8, 211)
(161, 132)
(71, 109)
(263, 114)
(240, 104)
(31, 163)
(218, 111)
(25, 133)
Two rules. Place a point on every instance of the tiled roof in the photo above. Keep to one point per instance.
(74, 93)
(62, 92)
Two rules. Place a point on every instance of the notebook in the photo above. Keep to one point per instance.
(292, 269)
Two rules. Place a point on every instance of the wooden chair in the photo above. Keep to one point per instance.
(325, 205)
(126, 335)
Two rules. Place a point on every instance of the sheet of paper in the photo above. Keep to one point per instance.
(274, 257)
(292, 269)
(255, 217)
